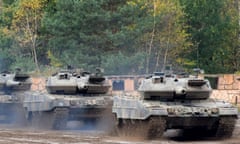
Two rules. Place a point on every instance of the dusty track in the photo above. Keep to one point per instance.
(10, 135)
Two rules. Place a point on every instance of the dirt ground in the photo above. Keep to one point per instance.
(13, 135)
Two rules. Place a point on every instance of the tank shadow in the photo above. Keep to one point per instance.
(186, 136)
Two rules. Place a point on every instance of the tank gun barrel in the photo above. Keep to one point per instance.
(180, 90)
(10, 83)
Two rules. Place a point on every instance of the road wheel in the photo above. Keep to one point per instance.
(225, 127)
(157, 126)
(60, 118)
(132, 128)
(41, 120)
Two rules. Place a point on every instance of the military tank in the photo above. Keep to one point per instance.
(168, 101)
(12, 89)
(72, 95)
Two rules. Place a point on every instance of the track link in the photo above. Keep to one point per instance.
(146, 129)
(56, 119)
(157, 127)
(225, 127)
(60, 118)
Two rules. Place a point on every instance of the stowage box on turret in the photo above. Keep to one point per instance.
(170, 101)
(12, 91)
(72, 95)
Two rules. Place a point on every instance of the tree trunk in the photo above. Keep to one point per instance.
(35, 56)
(157, 61)
(33, 37)
(167, 49)
(152, 38)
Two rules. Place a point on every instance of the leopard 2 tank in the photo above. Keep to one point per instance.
(72, 95)
(168, 101)
(13, 86)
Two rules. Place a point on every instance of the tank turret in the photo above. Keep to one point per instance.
(62, 82)
(73, 82)
(11, 82)
(13, 87)
(168, 86)
(93, 83)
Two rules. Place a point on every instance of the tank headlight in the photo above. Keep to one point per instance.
(171, 111)
(10, 98)
(201, 110)
(60, 104)
(73, 103)
(215, 110)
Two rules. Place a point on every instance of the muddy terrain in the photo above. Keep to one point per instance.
(23, 135)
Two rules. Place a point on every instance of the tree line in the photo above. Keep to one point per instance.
(121, 36)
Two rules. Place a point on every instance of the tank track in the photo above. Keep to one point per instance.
(40, 120)
(157, 127)
(56, 119)
(13, 114)
(60, 118)
(225, 127)
(152, 128)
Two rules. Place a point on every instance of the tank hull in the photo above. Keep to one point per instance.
(190, 122)
(191, 95)
(180, 114)
(21, 87)
(11, 109)
(66, 108)
(67, 89)
(82, 113)
(96, 89)
(1, 85)
(12, 92)
(62, 89)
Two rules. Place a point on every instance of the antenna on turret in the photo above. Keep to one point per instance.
(99, 71)
(70, 67)
(167, 70)
(198, 71)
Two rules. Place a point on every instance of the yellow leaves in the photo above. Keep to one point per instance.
(167, 8)
(53, 60)
(161, 6)
(19, 13)
(28, 7)
(26, 22)
(133, 3)
(185, 62)
(6, 31)
(131, 27)
(32, 4)
(28, 14)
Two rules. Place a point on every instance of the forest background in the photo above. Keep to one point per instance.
(121, 36)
